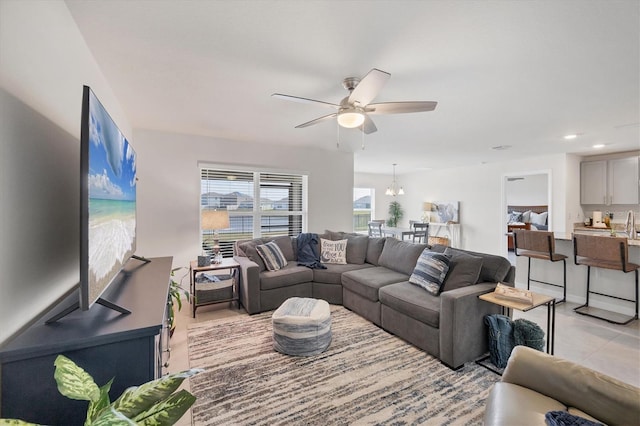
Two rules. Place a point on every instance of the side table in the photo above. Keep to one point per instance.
(538, 300)
(223, 290)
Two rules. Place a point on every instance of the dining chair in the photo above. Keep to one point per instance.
(420, 232)
(375, 228)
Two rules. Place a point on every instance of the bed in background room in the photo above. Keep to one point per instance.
(526, 217)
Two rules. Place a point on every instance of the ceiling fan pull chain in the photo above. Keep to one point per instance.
(338, 136)
(362, 133)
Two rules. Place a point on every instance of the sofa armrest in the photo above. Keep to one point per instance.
(463, 335)
(602, 397)
(249, 284)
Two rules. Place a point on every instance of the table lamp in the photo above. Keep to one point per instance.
(427, 208)
(215, 220)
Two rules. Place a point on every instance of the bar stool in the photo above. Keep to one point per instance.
(608, 253)
(540, 245)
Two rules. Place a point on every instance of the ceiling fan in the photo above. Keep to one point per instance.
(354, 109)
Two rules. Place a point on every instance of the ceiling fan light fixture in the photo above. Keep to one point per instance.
(351, 117)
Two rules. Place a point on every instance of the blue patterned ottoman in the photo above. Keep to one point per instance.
(302, 326)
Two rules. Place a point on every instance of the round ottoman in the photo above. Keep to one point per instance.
(302, 326)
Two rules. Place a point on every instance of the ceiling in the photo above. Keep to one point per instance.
(504, 73)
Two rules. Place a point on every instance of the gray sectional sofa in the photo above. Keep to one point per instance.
(375, 284)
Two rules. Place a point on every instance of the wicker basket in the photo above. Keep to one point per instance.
(438, 240)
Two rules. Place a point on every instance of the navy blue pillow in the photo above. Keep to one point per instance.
(563, 418)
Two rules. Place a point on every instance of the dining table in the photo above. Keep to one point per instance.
(397, 232)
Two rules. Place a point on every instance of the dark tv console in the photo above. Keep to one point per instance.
(132, 348)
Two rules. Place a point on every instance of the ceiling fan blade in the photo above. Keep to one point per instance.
(368, 126)
(401, 107)
(316, 121)
(303, 100)
(369, 87)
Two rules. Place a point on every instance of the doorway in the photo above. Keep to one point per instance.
(526, 197)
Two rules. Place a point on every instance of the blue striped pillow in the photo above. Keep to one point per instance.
(430, 271)
(272, 256)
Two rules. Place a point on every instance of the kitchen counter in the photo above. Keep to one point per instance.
(596, 231)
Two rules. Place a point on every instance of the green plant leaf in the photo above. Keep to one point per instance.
(111, 417)
(168, 411)
(136, 400)
(73, 382)
(96, 407)
(15, 422)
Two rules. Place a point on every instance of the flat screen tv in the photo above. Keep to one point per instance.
(107, 200)
(107, 204)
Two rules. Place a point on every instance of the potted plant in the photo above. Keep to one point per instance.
(395, 214)
(175, 299)
(158, 402)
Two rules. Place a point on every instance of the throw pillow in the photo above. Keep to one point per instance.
(464, 270)
(333, 251)
(430, 271)
(272, 256)
(539, 218)
(515, 217)
(563, 418)
(526, 216)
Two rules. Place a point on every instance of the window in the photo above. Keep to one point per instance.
(363, 208)
(259, 204)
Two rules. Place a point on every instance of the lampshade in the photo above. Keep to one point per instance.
(427, 207)
(215, 219)
(351, 117)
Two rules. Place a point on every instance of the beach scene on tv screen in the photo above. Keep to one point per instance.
(112, 199)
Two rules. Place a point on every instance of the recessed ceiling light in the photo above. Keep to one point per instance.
(599, 146)
(571, 136)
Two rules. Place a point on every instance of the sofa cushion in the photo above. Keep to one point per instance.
(271, 256)
(374, 249)
(286, 244)
(412, 301)
(333, 251)
(464, 270)
(248, 249)
(333, 273)
(366, 282)
(291, 274)
(401, 256)
(333, 235)
(357, 248)
(494, 268)
(430, 271)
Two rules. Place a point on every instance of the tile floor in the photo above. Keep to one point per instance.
(605, 347)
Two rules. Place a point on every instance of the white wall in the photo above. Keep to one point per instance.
(169, 186)
(479, 191)
(529, 190)
(44, 62)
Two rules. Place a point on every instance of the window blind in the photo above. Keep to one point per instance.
(260, 204)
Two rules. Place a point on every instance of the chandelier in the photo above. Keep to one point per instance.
(393, 190)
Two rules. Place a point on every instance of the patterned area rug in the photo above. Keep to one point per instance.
(366, 377)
